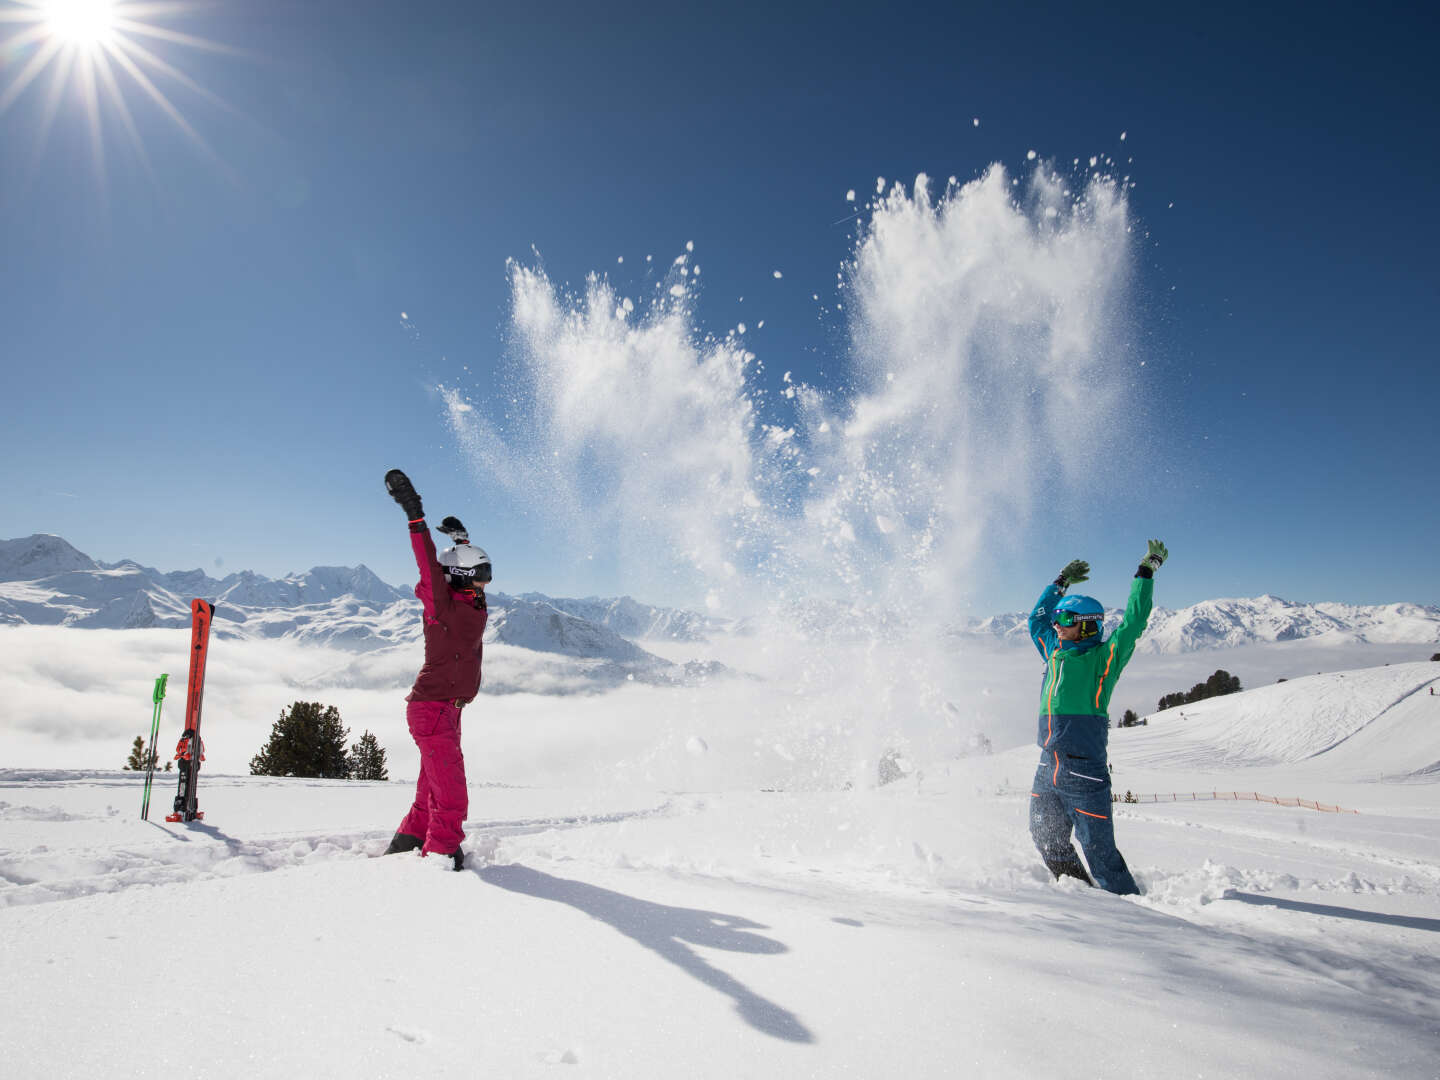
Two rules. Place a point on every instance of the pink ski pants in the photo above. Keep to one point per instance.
(441, 798)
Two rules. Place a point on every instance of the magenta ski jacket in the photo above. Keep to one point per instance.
(454, 625)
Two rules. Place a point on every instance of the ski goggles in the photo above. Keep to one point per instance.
(479, 573)
(1069, 618)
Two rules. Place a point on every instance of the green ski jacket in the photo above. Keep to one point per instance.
(1080, 676)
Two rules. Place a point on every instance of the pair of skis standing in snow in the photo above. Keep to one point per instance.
(1070, 794)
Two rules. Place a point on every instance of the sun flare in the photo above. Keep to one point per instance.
(86, 23)
(106, 55)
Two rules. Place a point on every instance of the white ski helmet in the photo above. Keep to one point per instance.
(465, 565)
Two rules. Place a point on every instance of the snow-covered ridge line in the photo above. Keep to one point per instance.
(1228, 623)
(46, 581)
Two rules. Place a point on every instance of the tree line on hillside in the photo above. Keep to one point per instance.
(1217, 685)
(1221, 682)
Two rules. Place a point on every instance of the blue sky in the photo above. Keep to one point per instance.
(205, 365)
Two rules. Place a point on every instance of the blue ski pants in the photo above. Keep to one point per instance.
(1072, 794)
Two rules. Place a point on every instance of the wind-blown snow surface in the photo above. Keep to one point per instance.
(623, 931)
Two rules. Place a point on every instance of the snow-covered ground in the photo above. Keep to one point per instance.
(624, 930)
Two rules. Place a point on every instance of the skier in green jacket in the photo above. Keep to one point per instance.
(1072, 783)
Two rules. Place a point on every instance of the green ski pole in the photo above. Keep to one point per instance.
(159, 698)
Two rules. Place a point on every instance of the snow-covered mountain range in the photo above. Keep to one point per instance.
(1226, 624)
(44, 580)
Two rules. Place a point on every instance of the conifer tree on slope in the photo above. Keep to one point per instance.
(308, 740)
(367, 759)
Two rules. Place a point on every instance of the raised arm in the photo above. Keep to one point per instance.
(1137, 609)
(1042, 629)
(1042, 625)
(431, 590)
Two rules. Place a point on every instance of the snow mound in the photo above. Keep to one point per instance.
(1381, 719)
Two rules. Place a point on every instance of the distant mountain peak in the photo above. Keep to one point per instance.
(41, 555)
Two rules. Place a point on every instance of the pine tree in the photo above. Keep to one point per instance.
(308, 740)
(1129, 719)
(136, 761)
(1222, 682)
(367, 759)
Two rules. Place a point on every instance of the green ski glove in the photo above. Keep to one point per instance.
(1155, 556)
(1076, 571)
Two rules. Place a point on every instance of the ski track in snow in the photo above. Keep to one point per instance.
(1374, 720)
(1417, 875)
(42, 874)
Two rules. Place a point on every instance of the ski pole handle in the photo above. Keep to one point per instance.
(160, 688)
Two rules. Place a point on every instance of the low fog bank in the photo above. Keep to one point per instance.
(786, 713)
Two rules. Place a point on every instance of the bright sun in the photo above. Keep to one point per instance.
(87, 23)
(109, 53)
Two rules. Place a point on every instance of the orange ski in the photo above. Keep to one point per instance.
(191, 751)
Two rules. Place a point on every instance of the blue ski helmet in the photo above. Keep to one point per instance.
(1085, 610)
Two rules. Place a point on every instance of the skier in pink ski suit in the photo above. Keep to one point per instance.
(452, 593)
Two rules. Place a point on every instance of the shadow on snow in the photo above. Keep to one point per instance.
(668, 932)
(1413, 922)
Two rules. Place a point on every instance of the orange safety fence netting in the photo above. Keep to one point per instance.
(1247, 796)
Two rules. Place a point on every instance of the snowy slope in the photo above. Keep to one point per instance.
(626, 933)
(1355, 723)
(669, 918)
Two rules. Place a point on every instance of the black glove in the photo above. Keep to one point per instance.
(403, 492)
(452, 528)
(1076, 571)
